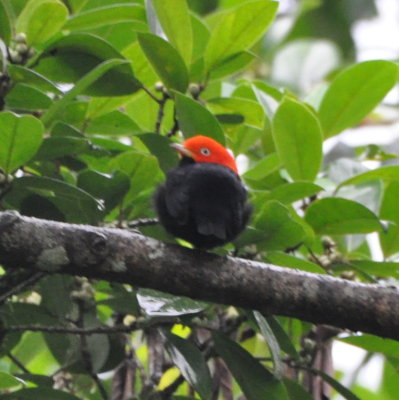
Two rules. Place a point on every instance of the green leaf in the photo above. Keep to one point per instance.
(114, 123)
(166, 61)
(142, 170)
(286, 260)
(159, 146)
(251, 110)
(5, 24)
(296, 391)
(342, 390)
(109, 187)
(195, 119)
(60, 146)
(387, 173)
(73, 56)
(282, 337)
(238, 29)
(191, 363)
(272, 342)
(374, 344)
(298, 139)
(290, 192)
(276, 229)
(176, 23)
(76, 204)
(354, 93)
(155, 303)
(389, 206)
(107, 15)
(21, 137)
(254, 379)
(20, 74)
(38, 393)
(389, 240)
(92, 76)
(41, 19)
(384, 269)
(27, 98)
(341, 216)
(263, 168)
(232, 64)
(8, 381)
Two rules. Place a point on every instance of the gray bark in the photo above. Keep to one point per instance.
(126, 257)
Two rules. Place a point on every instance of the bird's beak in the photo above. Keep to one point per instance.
(182, 150)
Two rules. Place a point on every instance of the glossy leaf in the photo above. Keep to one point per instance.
(263, 168)
(298, 139)
(253, 378)
(56, 147)
(76, 204)
(41, 19)
(389, 207)
(73, 56)
(238, 29)
(176, 23)
(9, 381)
(272, 342)
(340, 216)
(282, 337)
(341, 389)
(39, 393)
(107, 15)
(21, 74)
(389, 240)
(195, 119)
(374, 344)
(27, 98)
(21, 137)
(387, 173)
(114, 123)
(232, 64)
(290, 192)
(191, 363)
(354, 93)
(159, 146)
(251, 110)
(142, 170)
(91, 77)
(287, 260)
(378, 268)
(165, 60)
(111, 188)
(296, 391)
(5, 24)
(277, 230)
(155, 303)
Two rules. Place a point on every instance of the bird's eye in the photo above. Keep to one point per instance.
(205, 151)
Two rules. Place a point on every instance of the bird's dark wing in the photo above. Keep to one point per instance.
(217, 199)
(177, 194)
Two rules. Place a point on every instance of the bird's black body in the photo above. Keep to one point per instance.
(203, 203)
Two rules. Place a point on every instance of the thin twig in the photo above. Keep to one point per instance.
(106, 330)
(142, 222)
(156, 99)
(22, 285)
(161, 112)
(18, 363)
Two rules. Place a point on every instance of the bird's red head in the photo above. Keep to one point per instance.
(204, 149)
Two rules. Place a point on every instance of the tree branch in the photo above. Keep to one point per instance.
(127, 257)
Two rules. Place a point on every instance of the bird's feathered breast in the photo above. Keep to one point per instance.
(203, 203)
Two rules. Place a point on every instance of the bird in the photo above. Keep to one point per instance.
(203, 199)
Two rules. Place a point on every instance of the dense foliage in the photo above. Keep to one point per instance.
(91, 96)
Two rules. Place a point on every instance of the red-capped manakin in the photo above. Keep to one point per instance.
(203, 200)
